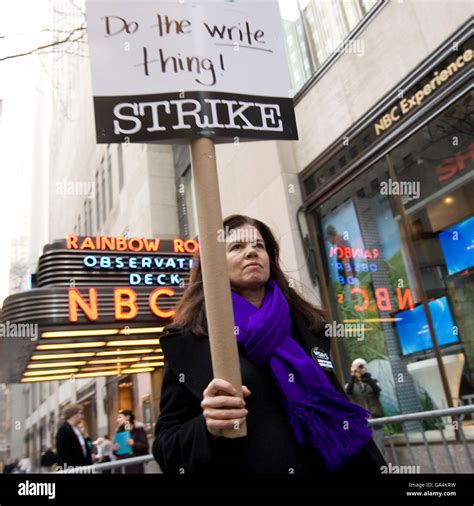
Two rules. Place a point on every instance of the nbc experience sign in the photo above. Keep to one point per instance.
(183, 68)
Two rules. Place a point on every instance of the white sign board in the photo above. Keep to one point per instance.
(171, 69)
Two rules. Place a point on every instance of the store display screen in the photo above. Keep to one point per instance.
(458, 246)
(413, 331)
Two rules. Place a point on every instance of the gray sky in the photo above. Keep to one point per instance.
(20, 25)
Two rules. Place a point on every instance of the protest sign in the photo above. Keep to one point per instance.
(201, 72)
(164, 70)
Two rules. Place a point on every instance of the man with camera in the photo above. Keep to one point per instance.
(364, 390)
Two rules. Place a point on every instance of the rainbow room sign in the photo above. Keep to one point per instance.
(147, 268)
(172, 69)
(100, 302)
(118, 278)
(136, 244)
(147, 262)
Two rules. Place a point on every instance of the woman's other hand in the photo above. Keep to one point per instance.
(222, 409)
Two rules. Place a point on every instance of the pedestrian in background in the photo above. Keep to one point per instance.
(48, 459)
(105, 451)
(137, 443)
(364, 390)
(83, 428)
(24, 466)
(10, 466)
(70, 443)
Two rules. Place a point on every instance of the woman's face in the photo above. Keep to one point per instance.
(247, 258)
(121, 419)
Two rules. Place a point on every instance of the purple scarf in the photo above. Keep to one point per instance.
(320, 416)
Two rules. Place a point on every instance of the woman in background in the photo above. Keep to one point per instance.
(137, 441)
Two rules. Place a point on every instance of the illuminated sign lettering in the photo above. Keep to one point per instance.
(125, 303)
(162, 263)
(382, 298)
(409, 103)
(136, 255)
(358, 267)
(160, 279)
(353, 252)
(75, 301)
(448, 168)
(136, 244)
(138, 258)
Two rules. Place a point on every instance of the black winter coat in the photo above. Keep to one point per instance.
(69, 449)
(182, 443)
(140, 447)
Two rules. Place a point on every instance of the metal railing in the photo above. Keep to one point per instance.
(405, 444)
(437, 437)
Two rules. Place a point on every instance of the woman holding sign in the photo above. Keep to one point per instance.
(299, 420)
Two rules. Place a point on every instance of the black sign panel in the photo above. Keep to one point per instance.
(223, 116)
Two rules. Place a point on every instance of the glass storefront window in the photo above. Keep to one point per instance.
(371, 277)
(315, 29)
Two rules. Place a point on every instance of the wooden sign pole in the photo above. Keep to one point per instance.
(217, 292)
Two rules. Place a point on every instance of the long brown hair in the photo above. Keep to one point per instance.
(191, 312)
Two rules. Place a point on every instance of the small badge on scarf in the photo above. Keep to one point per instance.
(322, 358)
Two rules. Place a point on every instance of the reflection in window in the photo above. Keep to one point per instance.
(314, 31)
(441, 215)
(370, 273)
